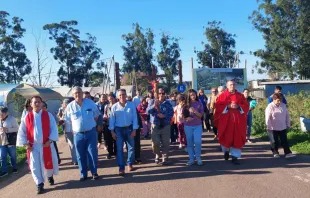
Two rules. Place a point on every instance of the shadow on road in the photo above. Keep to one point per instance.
(254, 160)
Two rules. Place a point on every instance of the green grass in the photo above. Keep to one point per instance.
(298, 141)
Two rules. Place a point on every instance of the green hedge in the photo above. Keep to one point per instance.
(298, 105)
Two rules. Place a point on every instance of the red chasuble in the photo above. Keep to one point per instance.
(47, 152)
(231, 125)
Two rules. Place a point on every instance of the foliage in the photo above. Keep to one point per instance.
(135, 78)
(14, 64)
(220, 45)
(168, 58)
(75, 56)
(298, 105)
(19, 102)
(138, 50)
(285, 29)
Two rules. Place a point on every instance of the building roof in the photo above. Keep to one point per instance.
(285, 82)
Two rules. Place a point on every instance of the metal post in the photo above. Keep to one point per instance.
(180, 71)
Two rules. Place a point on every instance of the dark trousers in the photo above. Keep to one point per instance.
(173, 132)
(207, 120)
(137, 144)
(215, 130)
(109, 141)
(56, 148)
(100, 134)
(284, 143)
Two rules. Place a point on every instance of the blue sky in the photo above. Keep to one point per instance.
(108, 20)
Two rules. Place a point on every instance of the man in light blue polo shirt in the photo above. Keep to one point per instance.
(123, 124)
(83, 114)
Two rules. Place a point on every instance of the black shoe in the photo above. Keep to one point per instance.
(59, 161)
(138, 161)
(226, 155)
(3, 174)
(14, 171)
(40, 188)
(83, 179)
(95, 176)
(235, 161)
(75, 163)
(51, 180)
(109, 156)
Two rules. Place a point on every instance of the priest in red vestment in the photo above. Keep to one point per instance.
(231, 120)
(37, 132)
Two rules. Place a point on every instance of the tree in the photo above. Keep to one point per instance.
(168, 58)
(285, 28)
(90, 54)
(220, 46)
(138, 50)
(14, 64)
(41, 67)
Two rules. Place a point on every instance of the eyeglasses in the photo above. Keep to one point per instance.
(161, 93)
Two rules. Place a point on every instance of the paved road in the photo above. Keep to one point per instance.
(259, 176)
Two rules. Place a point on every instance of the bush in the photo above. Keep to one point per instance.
(298, 105)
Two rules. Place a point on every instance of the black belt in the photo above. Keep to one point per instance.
(125, 127)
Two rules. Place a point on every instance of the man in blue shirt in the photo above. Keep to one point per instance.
(161, 113)
(123, 124)
(277, 89)
(83, 114)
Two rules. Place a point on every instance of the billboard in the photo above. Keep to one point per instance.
(207, 78)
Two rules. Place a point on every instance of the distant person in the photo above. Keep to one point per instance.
(142, 112)
(44, 108)
(249, 118)
(278, 121)
(231, 132)
(36, 133)
(110, 142)
(69, 133)
(27, 108)
(87, 95)
(206, 117)
(174, 127)
(8, 135)
(129, 99)
(211, 101)
(137, 99)
(101, 104)
(278, 89)
(180, 121)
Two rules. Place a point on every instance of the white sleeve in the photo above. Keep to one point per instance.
(53, 127)
(22, 134)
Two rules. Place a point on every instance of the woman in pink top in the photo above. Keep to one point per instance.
(278, 121)
(180, 123)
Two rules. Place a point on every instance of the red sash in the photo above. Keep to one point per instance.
(47, 152)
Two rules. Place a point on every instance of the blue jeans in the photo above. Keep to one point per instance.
(194, 140)
(86, 149)
(249, 124)
(4, 151)
(123, 135)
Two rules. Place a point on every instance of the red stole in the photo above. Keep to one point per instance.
(47, 152)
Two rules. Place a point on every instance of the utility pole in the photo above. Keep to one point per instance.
(180, 72)
(117, 76)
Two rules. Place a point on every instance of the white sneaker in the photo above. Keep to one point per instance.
(290, 155)
(180, 146)
(276, 156)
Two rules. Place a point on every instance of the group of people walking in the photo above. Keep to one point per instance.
(120, 121)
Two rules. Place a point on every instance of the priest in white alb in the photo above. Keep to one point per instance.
(36, 133)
